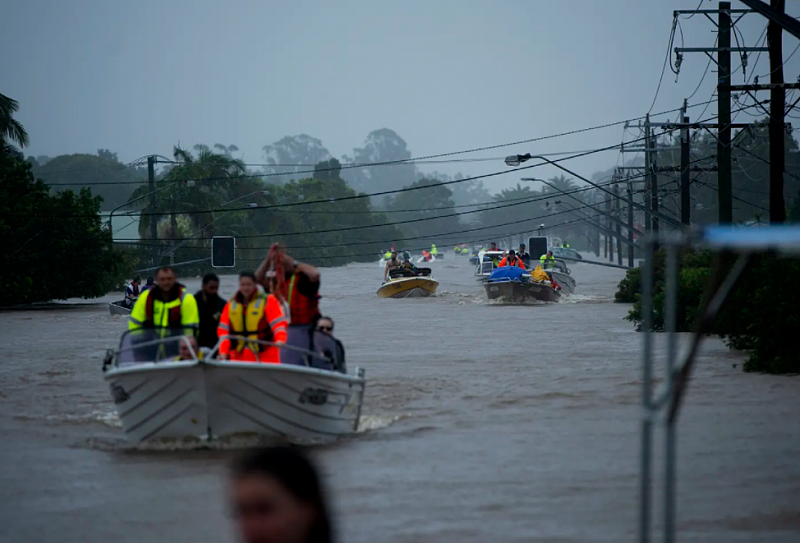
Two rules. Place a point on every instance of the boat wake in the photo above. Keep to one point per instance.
(367, 424)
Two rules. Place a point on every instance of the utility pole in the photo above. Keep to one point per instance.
(630, 225)
(724, 115)
(777, 152)
(686, 199)
(151, 184)
(648, 187)
(610, 227)
(654, 178)
(619, 226)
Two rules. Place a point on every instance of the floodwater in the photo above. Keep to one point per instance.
(482, 422)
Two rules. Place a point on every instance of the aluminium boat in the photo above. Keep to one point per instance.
(158, 396)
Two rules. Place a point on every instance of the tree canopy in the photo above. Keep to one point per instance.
(102, 173)
(52, 246)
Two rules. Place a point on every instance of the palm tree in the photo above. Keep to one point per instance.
(11, 130)
(560, 183)
(216, 176)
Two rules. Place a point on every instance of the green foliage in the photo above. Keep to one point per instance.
(103, 173)
(328, 170)
(760, 315)
(11, 130)
(51, 246)
(436, 201)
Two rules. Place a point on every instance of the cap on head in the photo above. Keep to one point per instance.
(511, 253)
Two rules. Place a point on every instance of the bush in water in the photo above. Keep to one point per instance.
(52, 247)
(759, 316)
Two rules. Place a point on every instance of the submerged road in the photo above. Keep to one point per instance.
(482, 422)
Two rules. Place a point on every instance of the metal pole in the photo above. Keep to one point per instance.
(151, 185)
(654, 181)
(630, 226)
(619, 225)
(777, 103)
(686, 200)
(724, 115)
(647, 409)
(648, 167)
(671, 301)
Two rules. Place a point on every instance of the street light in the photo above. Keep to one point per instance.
(189, 183)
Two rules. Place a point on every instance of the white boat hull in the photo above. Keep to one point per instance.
(215, 399)
(118, 309)
(565, 280)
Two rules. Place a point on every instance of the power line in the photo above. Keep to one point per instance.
(382, 193)
(440, 235)
(666, 61)
(407, 160)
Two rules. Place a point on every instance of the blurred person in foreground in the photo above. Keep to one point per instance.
(277, 497)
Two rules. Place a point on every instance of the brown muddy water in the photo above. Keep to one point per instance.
(482, 422)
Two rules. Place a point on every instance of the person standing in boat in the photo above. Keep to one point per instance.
(392, 264)
(298, 284)
(165, 306)
(523, 255)
(547, 260)
(511, 260)
(132, 292)
(255, 316)
(209, 307)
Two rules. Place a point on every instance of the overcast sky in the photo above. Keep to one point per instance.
(138, 76)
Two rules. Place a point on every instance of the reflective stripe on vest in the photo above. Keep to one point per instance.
(250, 322)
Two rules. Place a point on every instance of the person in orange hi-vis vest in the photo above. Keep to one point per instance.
(511, 260)
(256, 316)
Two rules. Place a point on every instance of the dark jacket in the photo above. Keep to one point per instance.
(210, 312)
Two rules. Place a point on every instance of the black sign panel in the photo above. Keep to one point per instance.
(223, 252)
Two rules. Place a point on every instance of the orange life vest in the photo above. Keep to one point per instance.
(303, 309)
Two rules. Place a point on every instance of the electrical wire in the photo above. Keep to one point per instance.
(406, 160)
(666, 61)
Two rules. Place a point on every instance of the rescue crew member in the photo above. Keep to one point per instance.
(256, 316)
(494, 247)
(434, 252)
(523, 255)
(391, 264)
(165, 306)
(547, 260)
(297, 284)
(132, 292)
(511, 260)
(209, 308)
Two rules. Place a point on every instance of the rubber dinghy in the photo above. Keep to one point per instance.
(407, 284)
(513, 284)
(160, 397)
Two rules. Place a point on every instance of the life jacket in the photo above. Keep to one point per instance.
(303, 309)
(250, 321)
(175, 319)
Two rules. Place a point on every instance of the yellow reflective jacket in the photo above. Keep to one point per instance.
(181, 312)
